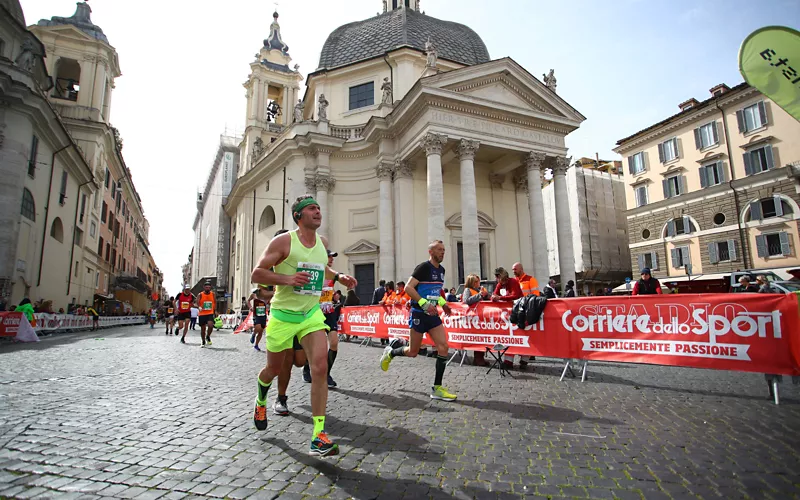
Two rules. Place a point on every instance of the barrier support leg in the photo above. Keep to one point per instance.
(775, 390)
(453, 357)
(366, 342)
(583, 372)
(463, 355)
(566, 369)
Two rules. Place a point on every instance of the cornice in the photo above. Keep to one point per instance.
(351, 155)
(483, 113)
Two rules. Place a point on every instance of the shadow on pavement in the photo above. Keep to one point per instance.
(391, 402)
(363, 486)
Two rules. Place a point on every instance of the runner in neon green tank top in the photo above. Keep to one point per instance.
(299, 261)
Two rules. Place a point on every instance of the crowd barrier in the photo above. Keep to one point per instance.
(65, 322)
(743, 332)
(15, 324)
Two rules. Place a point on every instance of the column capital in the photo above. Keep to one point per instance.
(521, 182)
(497, 180)
(561, 165)
(433, 143)
(534, 160)
(384, 170)
(311, 185)
(467, 149)
(324, 182)
(403, 169)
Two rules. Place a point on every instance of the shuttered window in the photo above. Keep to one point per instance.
(766, 208)
(668, 150)
(706, 136)
(636, 163)
(674, 186)
(773, 245)
(649, 259)
(680, 256)
(712, 174)
(752, 117)
(680, 225)
(723, 251)
(758, 160)
(641, 195)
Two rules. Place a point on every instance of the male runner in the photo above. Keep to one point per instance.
(207, 303)
(184, 301)
(425, 289)
(331, 320)
(257, 302)
(299, 259)
(169, 315)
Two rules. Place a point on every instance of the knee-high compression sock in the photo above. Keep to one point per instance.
(263, 388)
(319, 425)
(398, 351)
(331, 359)
(441, 364)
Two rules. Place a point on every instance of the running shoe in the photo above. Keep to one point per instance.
(260, 417)
(208, 341)
(280, 408)
(306, 374)
(255, 346)
(204, 344)
(183, 341)
(439, 392)
(322, 446)
(331, 382)
(386, 358)
(253, 338)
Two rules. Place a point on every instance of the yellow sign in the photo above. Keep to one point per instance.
(769, 60)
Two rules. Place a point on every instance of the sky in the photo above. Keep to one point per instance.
(624, 64)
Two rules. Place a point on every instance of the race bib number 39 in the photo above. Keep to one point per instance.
(184, 305)
(317, 276)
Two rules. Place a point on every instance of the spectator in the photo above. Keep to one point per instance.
(528, 284)
(507, 289)
(647, 285)
(194, 312)
(401, 298)
(388, 296)
(60, 310)
(763, 284)
(746, 286)
(352, 299)
(550, 290)
(451, 296)
(473, 292)
(26, 308)
(378, 294)
(570, 291)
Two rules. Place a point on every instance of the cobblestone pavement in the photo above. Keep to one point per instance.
(131, 413)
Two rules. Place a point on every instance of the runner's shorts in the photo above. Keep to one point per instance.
(204, 319)
(280, 333)
(260, 320)
(184, 316)
(422, 322)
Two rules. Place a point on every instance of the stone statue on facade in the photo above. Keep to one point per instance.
(387, 91)
(432, 53)
(385, 6)
(258, 148)
(550, 80)
(26, 58)
(322, 113)
(298, 111)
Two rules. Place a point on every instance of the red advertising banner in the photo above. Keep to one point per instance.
(742, 332)
(15, 324)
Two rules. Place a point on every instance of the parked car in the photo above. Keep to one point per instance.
(733, 280)
(786, 286)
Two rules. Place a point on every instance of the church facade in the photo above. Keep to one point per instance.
(407, 132)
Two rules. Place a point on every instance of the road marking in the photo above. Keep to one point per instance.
(579, 435)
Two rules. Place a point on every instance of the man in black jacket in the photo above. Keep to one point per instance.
(378, 294)
(550, 290)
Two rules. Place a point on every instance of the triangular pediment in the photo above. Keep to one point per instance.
(361, 247)
(66, 30)
(502, 90)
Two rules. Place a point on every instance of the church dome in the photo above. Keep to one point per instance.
(398, 28)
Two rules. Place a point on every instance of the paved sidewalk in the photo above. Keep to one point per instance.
(130, 412)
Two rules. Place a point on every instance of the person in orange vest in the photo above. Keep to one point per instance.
(401, 298)
(207, 303)
(529, 284)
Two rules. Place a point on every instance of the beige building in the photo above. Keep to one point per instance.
(406, 132)
(715, 187)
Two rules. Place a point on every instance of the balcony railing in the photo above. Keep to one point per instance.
(347, 133)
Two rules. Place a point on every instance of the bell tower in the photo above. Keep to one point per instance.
(400, 4)
(272, 90)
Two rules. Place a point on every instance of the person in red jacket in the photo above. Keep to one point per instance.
(647, 285)
(507, 289)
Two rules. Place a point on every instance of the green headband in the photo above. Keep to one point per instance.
(304, 203)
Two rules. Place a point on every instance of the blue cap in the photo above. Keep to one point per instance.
(646, 270)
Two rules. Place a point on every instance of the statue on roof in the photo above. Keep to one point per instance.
(550, 80)
(386, 87)
(26, 58)
(432, 53)
(298, 111)
(322, 112)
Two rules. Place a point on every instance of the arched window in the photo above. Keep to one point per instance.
(57, 230)
(680, 225)
(68, 79)
(28, 205)
(267, 218)
(766, 208)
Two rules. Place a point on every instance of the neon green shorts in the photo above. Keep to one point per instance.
(281, 334)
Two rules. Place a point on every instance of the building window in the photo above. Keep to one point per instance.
(752, 117)
(773, 245)
(758, 160)
(712, 174)
(103, 216)
(110, 220)
(28, 205)
(62, 194)
(362, 95)
(57, 230)
(680, 225)
(77, 268)
(706, 136)
(267, 218)
(636, 163)
(92, 229)
(238, 254)
(645, 234)
(108, 252)
(83, 208)
(649, 259)
(113, 190)
(668, 150)
(100, 248)
(108, 177)
(67, 81)
(97, 279)
(722, 251)
(719, 218)
(32, 157)
(767, 208)
(641, 195)
(78, 237)
(674, 186)
(680, 257)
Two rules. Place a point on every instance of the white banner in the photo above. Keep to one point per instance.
(66, 322)
(669, 348)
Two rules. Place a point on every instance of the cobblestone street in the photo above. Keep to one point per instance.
(132, 413)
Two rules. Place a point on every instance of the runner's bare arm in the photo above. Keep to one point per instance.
(411, 289)
(250, 301)
(330, 273)
(275, 253)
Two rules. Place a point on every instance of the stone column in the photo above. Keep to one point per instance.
(384, 171)
(523, 221)
(469, 207)
(433, 144)
(541, 269)
(566, 254)
(404, 181)
(324, 184)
